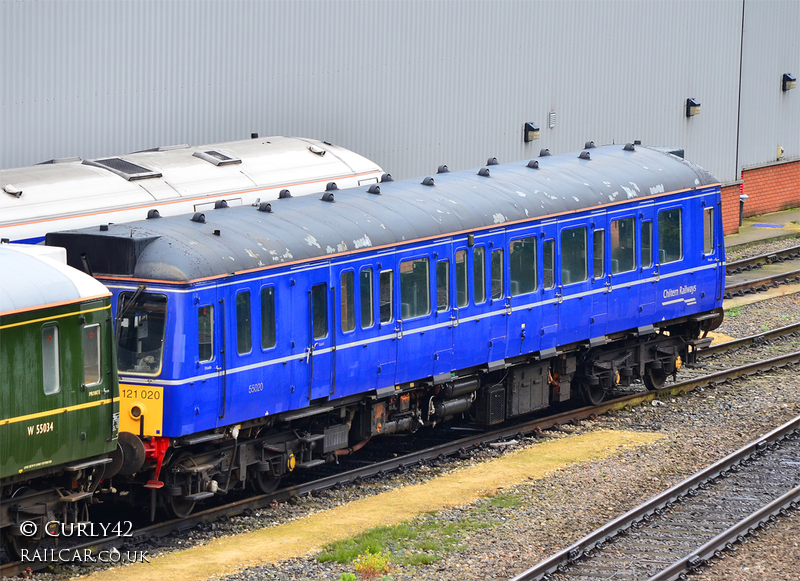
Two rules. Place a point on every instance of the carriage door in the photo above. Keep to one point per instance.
(572, 280)
(623, 279)
(319, 350)
(648, 268)
(598, 276)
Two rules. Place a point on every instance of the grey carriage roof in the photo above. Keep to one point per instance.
(178, 250)
(32, 278)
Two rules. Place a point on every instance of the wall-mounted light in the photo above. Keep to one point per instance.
(789, 82)
(692, 107)
(530, 132)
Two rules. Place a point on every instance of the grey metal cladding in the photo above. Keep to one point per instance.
(306, 228)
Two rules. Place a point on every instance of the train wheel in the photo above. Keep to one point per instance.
(654, 378)
(178, 505)
(592, 394)
(16, 544)
(263, 483)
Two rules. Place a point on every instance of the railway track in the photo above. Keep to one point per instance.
(739, 274)
(457, 446)
(681, 529)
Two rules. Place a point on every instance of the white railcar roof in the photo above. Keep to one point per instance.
(41, 193)
(37, 276)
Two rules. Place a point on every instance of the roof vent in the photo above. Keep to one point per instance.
(12, 191)
(284, 194)
(443, 169)
(629, 147)
(589, 145)
(152, 214)
(331, 187)
(374, 189)
(217, 157)
(484, 171)
(103, 227)
(219, 204)
(199, 218)
(125, 169)
(327, 197)
(427, 181)
(533, 164)
(265, 207)
(584, 155)
(491, 161)
(544, 152)
(387, 177)
(316, 150)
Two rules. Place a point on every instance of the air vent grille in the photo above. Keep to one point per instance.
(124, 168)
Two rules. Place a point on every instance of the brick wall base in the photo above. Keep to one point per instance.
(769, 189)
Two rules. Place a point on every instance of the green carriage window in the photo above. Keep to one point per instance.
(599, 250)
(385, 282)
(623, 245)
(51, 360)
(443, 285)
(142, 326)
(708, 231)
(367, 314)
(462, 288)
(348, 301)
(319, 310)
(91, 355)
(268, 317)
(522, 260)
(497, 274)
(573, 255)
(647, 244)
(415, 296)
(244, 341)
(670, 236)
(479, 274)
(205, 333)
(549, 260)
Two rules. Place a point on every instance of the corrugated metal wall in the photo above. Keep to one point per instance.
(408, 84)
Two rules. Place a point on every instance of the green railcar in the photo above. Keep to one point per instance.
(59, 410)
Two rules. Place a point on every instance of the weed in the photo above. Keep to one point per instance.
(504, 501)
(347, 577)
(732, 312)
(371, 565)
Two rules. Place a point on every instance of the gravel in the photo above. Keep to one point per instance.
(742, 252)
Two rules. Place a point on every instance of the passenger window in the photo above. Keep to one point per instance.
(367, 316)
(205, 333)
(443, 285)
(497, 274)
(268, 317)
(415, 284)
(573, 255)
(522, 266)
(91, 355)
(348, 301)
(599, 253)
(319, 310)
(670, 236)
(386, 296)
(708, 231)
(462, 290)
(479, 274)
(623, 245)
(51, 360)
(243, 335)
(647, 244)
(549, 259)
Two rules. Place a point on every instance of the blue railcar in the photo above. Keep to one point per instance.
(254, 340)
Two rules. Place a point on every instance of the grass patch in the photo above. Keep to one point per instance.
(504, 501)
(417, 542)
(732, 312)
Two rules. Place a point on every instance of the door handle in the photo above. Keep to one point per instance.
(399, 329)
